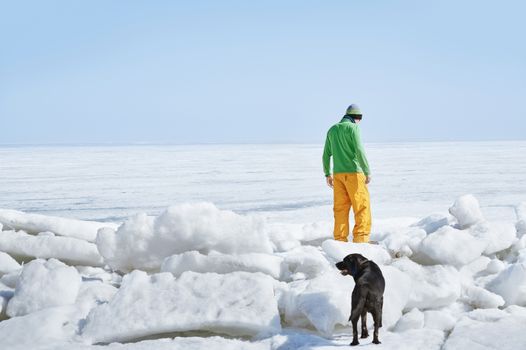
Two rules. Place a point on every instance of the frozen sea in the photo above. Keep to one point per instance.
(281, 182)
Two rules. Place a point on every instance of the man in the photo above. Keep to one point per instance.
(351, 176)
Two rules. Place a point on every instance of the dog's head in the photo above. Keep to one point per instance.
(351, 264)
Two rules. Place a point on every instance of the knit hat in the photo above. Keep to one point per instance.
(354, 110)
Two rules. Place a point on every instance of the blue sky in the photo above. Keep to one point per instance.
(270, 71)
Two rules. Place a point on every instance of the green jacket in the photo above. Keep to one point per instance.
(343, 143)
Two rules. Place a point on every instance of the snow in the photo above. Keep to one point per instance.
(45, 327)
(466, 210)
(72, 250)
(444, 245)
(439, 319)
(433, 222)
(264, 261)
(36, 223)
(511, 284)
(431, 286)
(238, 304)
(403, 242)
(144, 242)
(223, 263)
(304, 262)
(338, 250)
(180, 343)
(7, 264)
(498, 235)
(488, 329)
(414, 319)
(479, 297)
(57, 285)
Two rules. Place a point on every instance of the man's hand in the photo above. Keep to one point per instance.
(329, 181)
(367, 179)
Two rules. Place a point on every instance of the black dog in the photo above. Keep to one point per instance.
(367, 295)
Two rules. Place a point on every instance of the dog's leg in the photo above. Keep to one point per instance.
(358, 304)
(377, 317)
(365, 333)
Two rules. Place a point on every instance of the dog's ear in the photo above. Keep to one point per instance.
(354, 262)
(360, 259)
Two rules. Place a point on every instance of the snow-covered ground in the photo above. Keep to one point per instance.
(194, 247)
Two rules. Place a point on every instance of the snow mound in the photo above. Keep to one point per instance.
(444, 245)
(466, 210)
(7, 264)
(488, 329)
(237, 304)
(223, 263)
(36, 223)
(143, 242)
(511, 284)
(431, 286)
(72, 250)
(338, 250)
(57, 285)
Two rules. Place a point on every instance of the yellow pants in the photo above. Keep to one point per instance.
(350, 190)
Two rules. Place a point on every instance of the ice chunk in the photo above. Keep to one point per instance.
(431, 286)
(310, 232)
(305, 262)
(94, 292)
(42, 328)
(449, 246)
(338, 250)
(223, 263)
(44, 284)
(6, 293)
(499, 236)
(433, 222)
(466, 210)
(35, 223)
(495, 266)
(238, 303)
(480, 298)
(488, 329)
(403, 242)
(322, 302)
(475, 267)
(511, 284)
(438, 319)
(71, 250)
(7, 264)
(396, 295)
(143, 242)
(414, 319)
